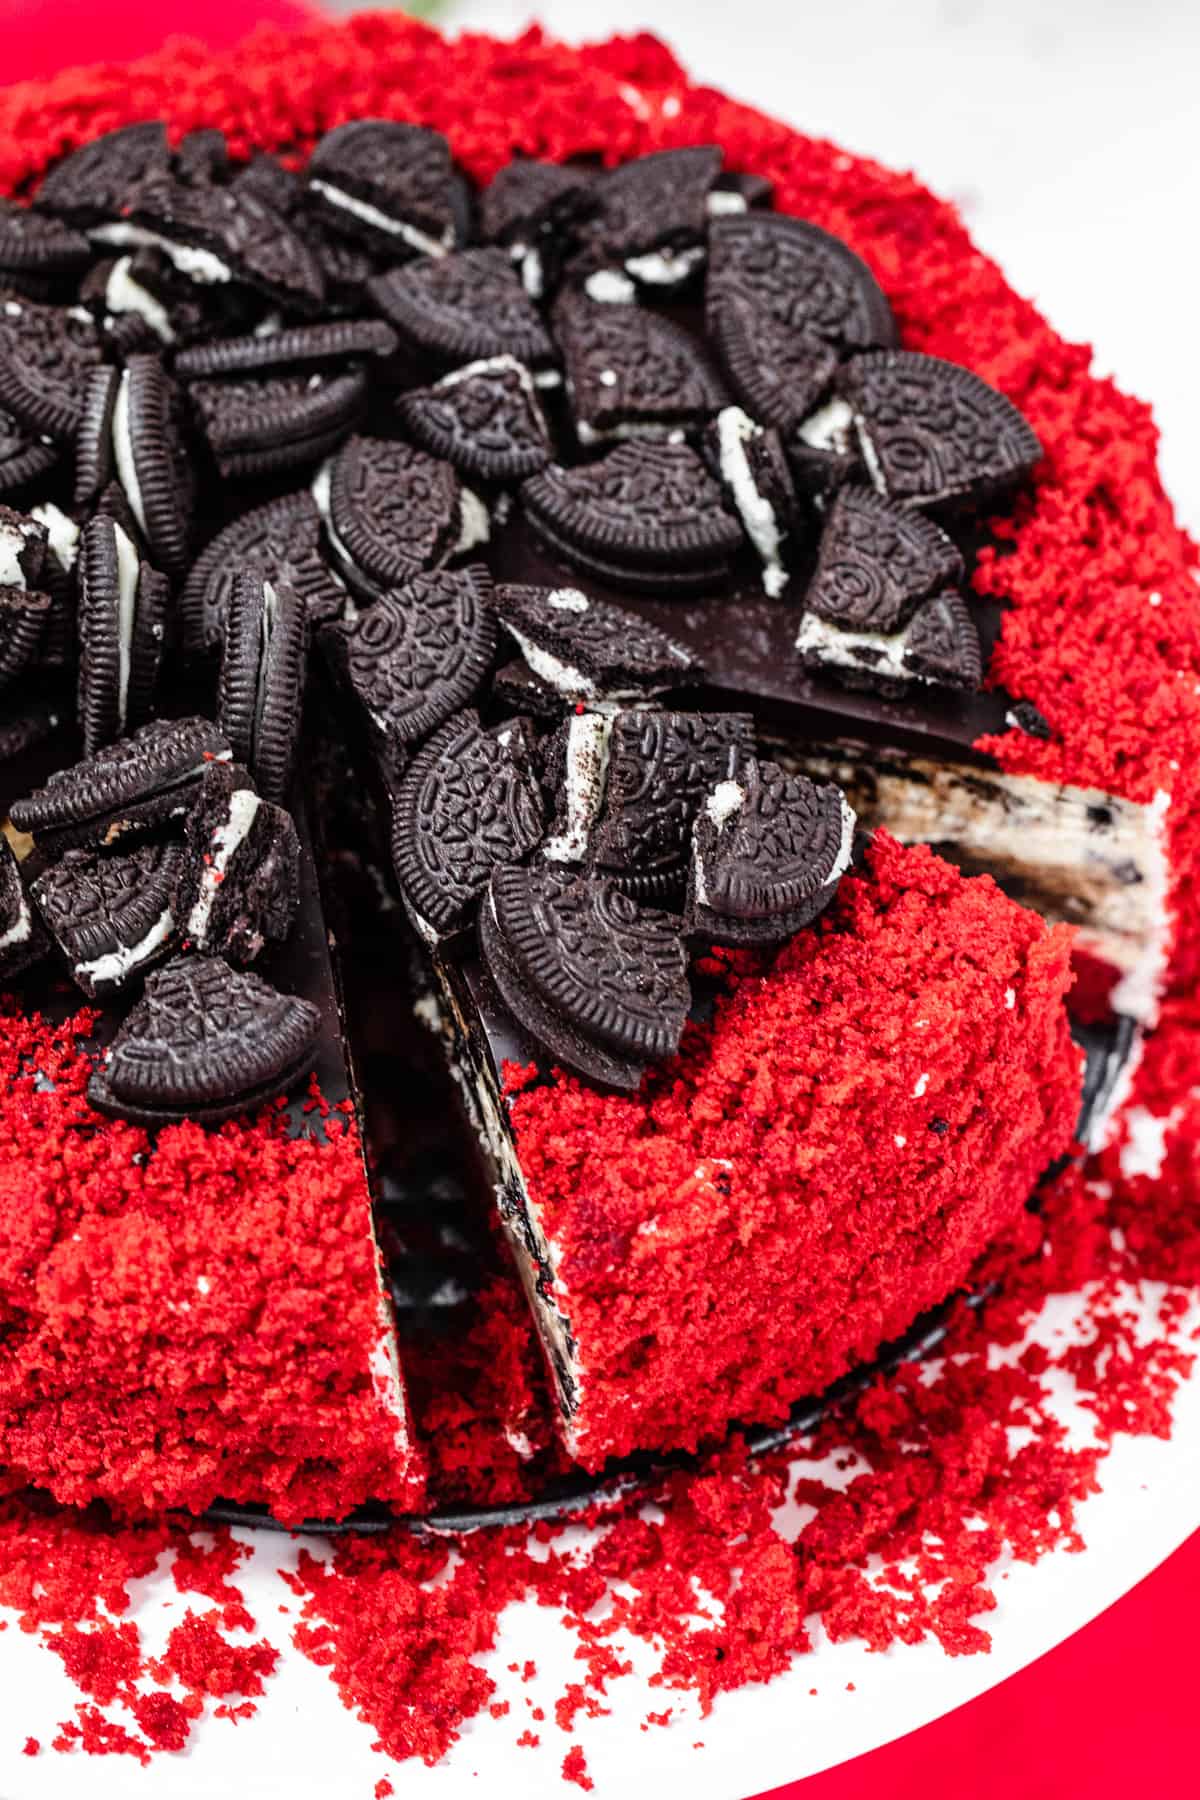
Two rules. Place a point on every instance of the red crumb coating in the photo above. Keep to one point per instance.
(1103, 631)
(184, 1320)
(822, 1164)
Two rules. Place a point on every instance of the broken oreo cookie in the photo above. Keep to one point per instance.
(46, 353)
(93, 182)
(939, 646)
(630, 372)
(750, 462)
(122, 624)
(238, 887)
(877, 562)
(782, 376)
(262, 425)
(388, 183)
(652, 215)
(597, 979)
(204, 1042)
(463, 308)
(589, 650)
(264, 662)
(768, 851)
(131, 786)
(309, 347)
(111, 915)
(934, 433)
(467, 803)
(391, 511)
(279, 541)
(800, 276)
(152, 462)
(484, 419)
(22, 940)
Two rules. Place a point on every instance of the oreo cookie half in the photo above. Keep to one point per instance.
(483, 419)
(877, 562)
(391, 512)
(933, 433)
(802, 277)
(94, 465)
(600, 980)
(650, 513)
(463, 308)
(768, 851)
(752, 467)
(122, 624)
(781, 375)
(152, 461)
(279, 541)
(58, 578)
(531, 208)
(24, 609)
(264, 664)
(306, 347)
(266, 424)
(589, 650)
(416, 656)
(468, 802)
(94, 182)
(660, 767)
(238, 887)
(653, 215)
(387, 183)
(22, 940)
(204, 1042)
(939, 647)
(130, 786)
(112, 917)
(631, 372)
(25, 455)
(46, 353)
(33, 245)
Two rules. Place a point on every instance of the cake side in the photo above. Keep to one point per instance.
(831, 1153)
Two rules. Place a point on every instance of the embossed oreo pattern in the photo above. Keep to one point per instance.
(661, 765)
(463, 308)
(877, 562)
(484, 420)
(801, 276)
(651, 503)
(97, 906)
(625, 363)
(395, 508)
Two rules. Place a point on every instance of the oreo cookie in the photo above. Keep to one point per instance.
(202, 157)
(58, 577)
(391, 512)
(484, 419)
(463, 308)
(803, 278)
(532, 208)
(46, 353)
(22, 940)
(204, 1042)
(265, 425)
(933, 433)
(25, 455)
(94, 182)
(750, 463)
(386, 183)
(652, 215)
(596, 978)
(575, 771)
(32, 245)
(122, 626)
(128, 787)
(309, 347)
(782, 376)
(631, 372)
(661, 765)
(279, 541)
(649, 514)
(238, 887)
(939, 647)
(111, 917)
(94, 462)
(589, 650)
(877, 562)
(468, 803)
(768, 852)
(264, 664)
(24, 609)
(152, 462)
(142, 302)
(215, 236)
(416, 656)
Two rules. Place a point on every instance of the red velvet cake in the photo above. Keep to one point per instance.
(527, 449)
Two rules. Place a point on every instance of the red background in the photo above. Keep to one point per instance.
(1114, 1709)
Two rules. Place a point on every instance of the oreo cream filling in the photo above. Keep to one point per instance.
(665, 268)
(877, 652)
(735, 429)
(123, 451)
(588, 738)
(13, 540)
(830, 428)
(127, 587)
(18, 932)
(226, 841)
(190, 260)
(610, 288)
(61, 531)
(371, 215)
(122, 294)
(111, 969)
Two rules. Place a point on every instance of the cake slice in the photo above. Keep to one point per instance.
(844, 1130)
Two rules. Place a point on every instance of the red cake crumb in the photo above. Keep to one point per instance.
(203, 1565)
(832, 1154)
(32, 1747)
(187, 1318)
(208, 1663)
(384, 1789)
(574, 1768)
(528, 1740)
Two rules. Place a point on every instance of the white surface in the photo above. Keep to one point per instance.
(1067, 134)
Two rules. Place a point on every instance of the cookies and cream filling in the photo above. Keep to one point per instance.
(189, 259)
(22, 926)
(610, 287)
(584, 778)
(128, 572)
(665, 268)
(830, 428)
(1074, 854)
(735, 430)
(111, 969)
(14, 542)
(61, 531)
(226, 841)
(475, 522)
(124, 294)
(381, 221)
(123, 452)
(876, 652)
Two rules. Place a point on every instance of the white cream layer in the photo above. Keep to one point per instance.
(111, 970)
(227, 840)
(736, 429)
(123, 294)
(198, 265)
(123, 452)
(588, 738)
(371, 215)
